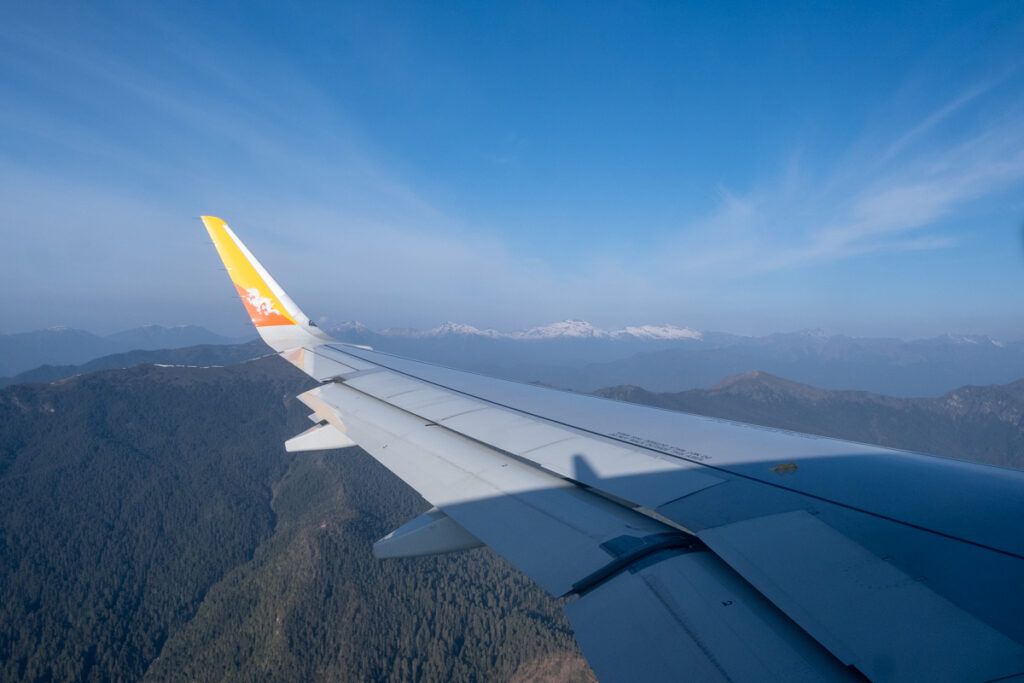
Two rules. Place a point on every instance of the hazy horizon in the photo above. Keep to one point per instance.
(243, 329)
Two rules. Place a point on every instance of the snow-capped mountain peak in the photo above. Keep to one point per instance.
(974, 339)
(460, 329)
(565, 328)
(657, 332)
(351, 325)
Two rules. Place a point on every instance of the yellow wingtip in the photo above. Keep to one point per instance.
(259, 294)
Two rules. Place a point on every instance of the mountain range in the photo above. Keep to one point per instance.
(68, 346)
(565, 329)
(924, 367)
(977, 423)
(577, 355)
(203, 356)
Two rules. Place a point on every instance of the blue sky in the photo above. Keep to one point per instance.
(740, 167)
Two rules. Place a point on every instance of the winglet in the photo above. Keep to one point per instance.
(280, 322)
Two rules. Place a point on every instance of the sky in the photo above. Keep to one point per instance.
(741, 167)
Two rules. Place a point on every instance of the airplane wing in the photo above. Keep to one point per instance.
(686, 547)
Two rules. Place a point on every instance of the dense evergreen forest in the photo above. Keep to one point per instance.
(152, 526)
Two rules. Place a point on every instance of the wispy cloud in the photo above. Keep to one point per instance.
(898, 201)
(943, 113)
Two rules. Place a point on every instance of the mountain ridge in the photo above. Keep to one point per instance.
(576, 355)
(569, 328)
(983, 424)
(63, 345)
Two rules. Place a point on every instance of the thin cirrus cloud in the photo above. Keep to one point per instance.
(793, 224)
(897, 205)
(900, 204)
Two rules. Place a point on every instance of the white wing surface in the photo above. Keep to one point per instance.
(687, 547)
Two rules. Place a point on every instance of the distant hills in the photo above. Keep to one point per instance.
(160, 337)
(204, 355)
(977, 423)
(923, 367)
(566, 329)
(68, 346)
(576, 355)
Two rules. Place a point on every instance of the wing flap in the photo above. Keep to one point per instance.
(866, 611)
(431, 533)
(320, 437)
(689, 617)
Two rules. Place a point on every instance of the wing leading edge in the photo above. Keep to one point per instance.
(688, 547)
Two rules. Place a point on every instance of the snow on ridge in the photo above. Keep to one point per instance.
(658, 332)
(399, 332)
(350, 325)
(179, 365)
(582, 329)
(972, 339)
(448, 327)
(565, 328)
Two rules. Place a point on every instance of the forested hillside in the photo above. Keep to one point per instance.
(201, 355)
(151, 525)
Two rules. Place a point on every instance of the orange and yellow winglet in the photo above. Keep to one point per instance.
(266, 303)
